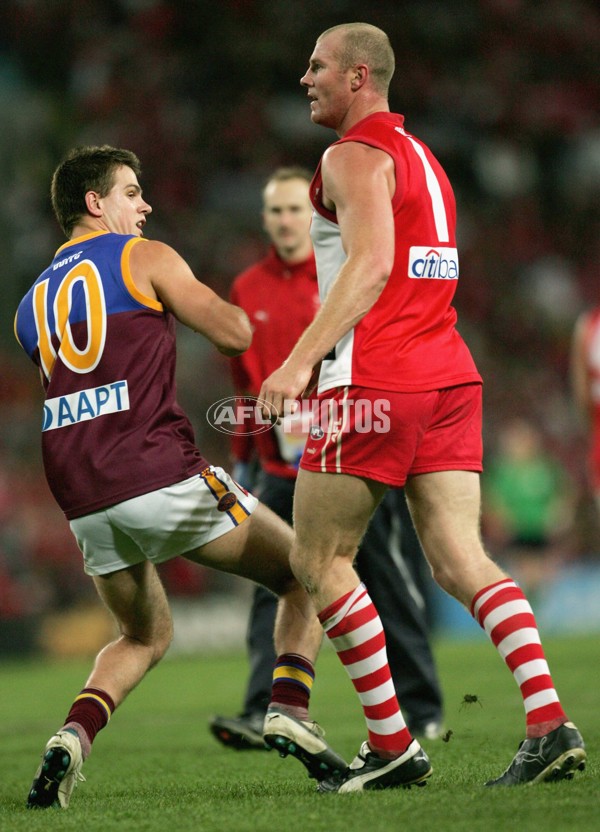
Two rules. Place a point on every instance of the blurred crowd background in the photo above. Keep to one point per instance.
(506, 94)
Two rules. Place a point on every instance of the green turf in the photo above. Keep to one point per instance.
(156, 767)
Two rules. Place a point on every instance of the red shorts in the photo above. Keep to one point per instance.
(387, 436)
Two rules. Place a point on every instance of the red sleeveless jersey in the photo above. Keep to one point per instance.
(111, 428)
(262, 291)
(408, 341)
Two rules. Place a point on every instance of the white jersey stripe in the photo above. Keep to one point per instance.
(435, 192)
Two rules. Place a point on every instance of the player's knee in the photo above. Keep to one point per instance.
(163, 638)
(309, 570)
(283, 583)
(158, 648)
(445, 580)
(155, 637)
(298, 564)
(458, 576)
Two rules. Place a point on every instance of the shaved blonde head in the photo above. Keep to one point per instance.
(362, 43)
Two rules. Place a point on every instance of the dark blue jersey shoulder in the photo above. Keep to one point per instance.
(85, 274)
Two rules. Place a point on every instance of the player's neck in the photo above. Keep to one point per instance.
(87, 225)
(375, 104)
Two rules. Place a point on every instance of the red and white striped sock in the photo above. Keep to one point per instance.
(505, 614)
(354, 628)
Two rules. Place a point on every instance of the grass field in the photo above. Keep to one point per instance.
(156, 767)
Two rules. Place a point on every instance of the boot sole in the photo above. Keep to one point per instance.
(44, 791)
(319, 766)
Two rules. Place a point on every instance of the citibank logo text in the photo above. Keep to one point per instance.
(433, 263)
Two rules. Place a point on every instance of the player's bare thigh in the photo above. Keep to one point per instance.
(331, 515)
(445, 507)
(259, 549)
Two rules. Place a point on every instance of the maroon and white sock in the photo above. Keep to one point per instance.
(354, 628)
(505, 614)
(89, 713)
(293, 678)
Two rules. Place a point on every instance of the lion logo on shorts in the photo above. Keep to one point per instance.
(227, 501)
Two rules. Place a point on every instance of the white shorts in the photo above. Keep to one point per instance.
(162, 524)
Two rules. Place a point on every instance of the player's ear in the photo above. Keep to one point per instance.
(360, 73)
(92, 203)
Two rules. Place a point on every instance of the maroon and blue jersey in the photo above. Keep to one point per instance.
(112, 428)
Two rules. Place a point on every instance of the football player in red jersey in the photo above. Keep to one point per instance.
(280, 296)
(384, 235)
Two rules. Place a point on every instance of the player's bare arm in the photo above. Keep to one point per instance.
(159, 272)
(358, 183)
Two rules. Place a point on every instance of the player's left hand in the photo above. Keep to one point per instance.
(281, 390)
